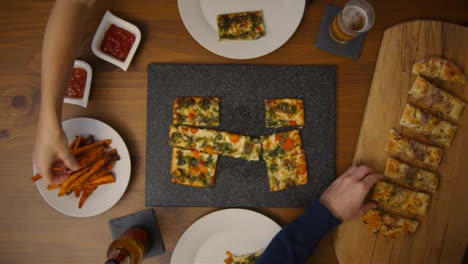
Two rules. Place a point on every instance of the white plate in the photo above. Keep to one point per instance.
(105, 196)
(281, 18)
(106, 22)
(237, 230)
(83, 102)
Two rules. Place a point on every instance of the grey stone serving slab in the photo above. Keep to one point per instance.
(242, 90)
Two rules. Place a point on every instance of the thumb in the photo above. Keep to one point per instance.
(366, 207)
(69, 160)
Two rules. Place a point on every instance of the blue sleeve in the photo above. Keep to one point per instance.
(294, 243)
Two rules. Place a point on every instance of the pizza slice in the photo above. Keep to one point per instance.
(428, 95)
(241, 26)
(237, 146)
(192, 138)
(196, 111)
(282, 144)
(410, 176)
(436, 67)
(401, 198)
(250, 258)
(192, 167)
(413, 150)
(428, 125)
(284, 112)
(287, 171)
(389, 225)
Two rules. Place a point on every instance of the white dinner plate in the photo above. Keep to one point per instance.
(105, 196)
(237, 230)
(281, 19)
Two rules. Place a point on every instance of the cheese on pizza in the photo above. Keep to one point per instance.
(192, 138)
(403, 199)
(428, 95)
(436, 67)
(389, 225)
(194, 168)
(282, 144)
(250, 258)
(410, 176)
(284, 112)
(241, 26)
(428, 125)
(413, 150)
(237, 146)
(196, 111)
(287, 171)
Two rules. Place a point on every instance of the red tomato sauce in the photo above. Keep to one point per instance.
(77, 83)
(117, 42)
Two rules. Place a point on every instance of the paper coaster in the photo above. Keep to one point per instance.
(147, 220)
(351, 49)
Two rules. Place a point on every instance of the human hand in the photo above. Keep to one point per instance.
(51, 145)
(345, 196)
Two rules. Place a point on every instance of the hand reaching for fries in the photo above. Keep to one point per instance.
(51, 145)
(94, 160)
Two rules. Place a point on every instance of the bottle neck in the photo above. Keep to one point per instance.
(118, 256)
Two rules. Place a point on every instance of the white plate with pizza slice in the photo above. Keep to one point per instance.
(239, 231)
(281, 19)
(105, 196)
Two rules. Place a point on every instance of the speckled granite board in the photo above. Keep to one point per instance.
(242, 89)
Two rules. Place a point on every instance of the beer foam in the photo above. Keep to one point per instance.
(354, 18)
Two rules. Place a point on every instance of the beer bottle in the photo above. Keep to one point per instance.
(129, 248)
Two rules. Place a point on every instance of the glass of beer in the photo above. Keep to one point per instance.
(355, 18)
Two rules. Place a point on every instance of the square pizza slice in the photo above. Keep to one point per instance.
(389, 225)
(286, 172)
(284, 112)
(187, 137)
(428, 125)
(196, 111)
(192, 167)
(401, 198)
(429, 96)
(413, 150)
(237, 146)
(410, 176)
(436, 67)
(241, 26)
(282, 144)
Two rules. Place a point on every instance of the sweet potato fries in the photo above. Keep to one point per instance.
(95, 159)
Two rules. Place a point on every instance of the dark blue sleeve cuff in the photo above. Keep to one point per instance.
(295, 242)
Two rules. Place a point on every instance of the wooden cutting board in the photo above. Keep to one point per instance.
(443, 233)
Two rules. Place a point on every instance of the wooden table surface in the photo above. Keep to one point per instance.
(33, 232)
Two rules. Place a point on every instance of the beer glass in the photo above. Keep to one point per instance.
(355, 18)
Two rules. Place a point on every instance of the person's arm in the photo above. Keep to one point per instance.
(342, 201)
(61, 39)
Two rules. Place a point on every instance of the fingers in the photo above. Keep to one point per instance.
(69, 160)
(43, 165)
(59, 179)
(366, 207)
(350, 170)
(370, 180)
(46, 174)
(361, 172)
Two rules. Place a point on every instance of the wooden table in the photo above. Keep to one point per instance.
(33, 232)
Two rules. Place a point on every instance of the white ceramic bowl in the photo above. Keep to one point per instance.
(83, 102)
(106, 21)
